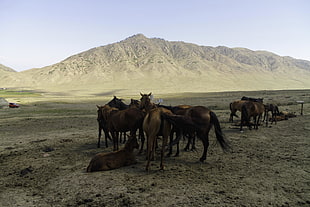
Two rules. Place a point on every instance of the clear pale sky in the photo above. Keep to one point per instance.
(38, 33)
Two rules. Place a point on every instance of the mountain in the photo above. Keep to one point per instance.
(146, 64)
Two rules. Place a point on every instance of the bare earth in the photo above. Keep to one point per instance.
(46, 147)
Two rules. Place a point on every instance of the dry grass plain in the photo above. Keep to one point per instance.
(47, 144)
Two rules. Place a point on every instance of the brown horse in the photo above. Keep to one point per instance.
(102, 125)
(251, 109)
(274, 112)
(237, 105)
(118, 103)
(134, 103)
(113, 160)
(153, 126)
(201, 119)
(179, 131)
(234, 107)
(130, 119)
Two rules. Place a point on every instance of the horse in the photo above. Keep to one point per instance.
(130, 119)
(274, 112)
(113, 160)
(134, 103)
(153, 126)
(118, 103)
(200, 119)
(102, 123)
(234, 107)
(251, 109)
(181, 110)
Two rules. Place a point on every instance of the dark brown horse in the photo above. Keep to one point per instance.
(179, 131)
(134, 103)
(102, 125)
(234, 107)
(251, 109)
(153, 126)
(237, 105)
(118, 103)
(201, 119)
(130, 119)
(274, 112)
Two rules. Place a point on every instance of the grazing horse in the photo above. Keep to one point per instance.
(251, 109)
(153, 126)
(274, 112)
(201, 119)
(130, 119)
(113, 160)
(102, 126)
(234, 107)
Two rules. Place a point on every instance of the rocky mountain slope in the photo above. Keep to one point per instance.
(146, 64)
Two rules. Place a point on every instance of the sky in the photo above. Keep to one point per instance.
(38, 33)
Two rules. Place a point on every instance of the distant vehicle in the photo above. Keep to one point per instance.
(13, 105)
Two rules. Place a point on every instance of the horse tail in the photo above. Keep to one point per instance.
(218, 132)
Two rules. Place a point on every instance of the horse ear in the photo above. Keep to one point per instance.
(150, 94)
(141, 94)
(98, 106)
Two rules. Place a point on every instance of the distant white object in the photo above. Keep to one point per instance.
(302, 106)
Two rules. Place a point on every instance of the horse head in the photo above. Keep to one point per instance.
(145, 100)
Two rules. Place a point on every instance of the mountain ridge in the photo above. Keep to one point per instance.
(140, 63)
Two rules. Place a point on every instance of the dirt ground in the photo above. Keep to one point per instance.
(46, 147)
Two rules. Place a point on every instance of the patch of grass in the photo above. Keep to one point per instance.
(18, 93)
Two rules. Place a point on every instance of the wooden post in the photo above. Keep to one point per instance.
(302, 107)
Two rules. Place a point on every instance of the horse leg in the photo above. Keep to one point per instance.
(150, 149)
(188, 143)
(171, 140)
(99, 136)
(179, 133)
(266, 117)
(193, 143)
(115, 136)
(205, 141)
(142, 138)
(107, 136)
(165, 141)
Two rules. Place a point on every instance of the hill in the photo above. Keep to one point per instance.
(146, 64)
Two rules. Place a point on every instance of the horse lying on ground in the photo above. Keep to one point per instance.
(113, 160)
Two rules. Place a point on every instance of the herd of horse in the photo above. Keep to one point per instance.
(152, 120)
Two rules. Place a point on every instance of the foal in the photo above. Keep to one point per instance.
(113, 160)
